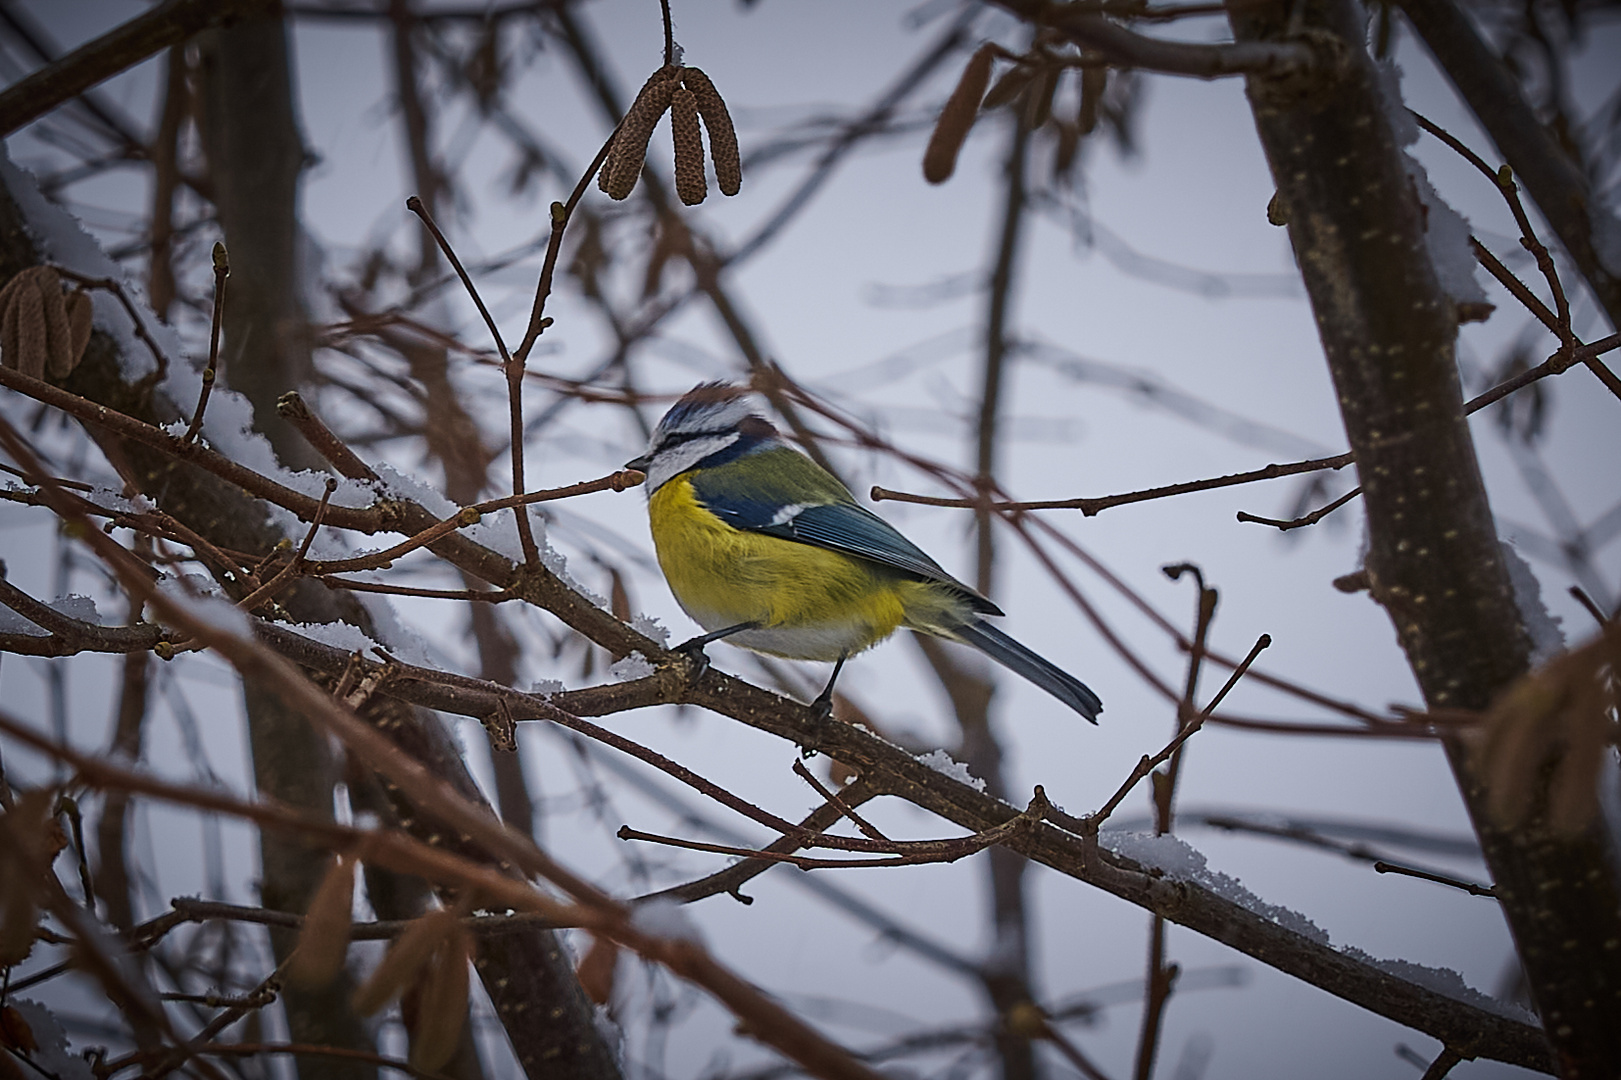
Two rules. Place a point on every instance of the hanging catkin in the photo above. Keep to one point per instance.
(722, 136)
(940, 159)
(689, 147)
(629, 150)
(41, 328)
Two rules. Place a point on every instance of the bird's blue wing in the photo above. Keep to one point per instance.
(781, 492)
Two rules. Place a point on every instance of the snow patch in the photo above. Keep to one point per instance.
(635, 666)
(78, 607)
(1443, 981)
(201, 599)
(545, 687)
(1547, 639)
(395, 483)
(649, 627)
(943, 763)
(73, 606)
(665, 918)
(339, 635)
(1180, 862)
(1446, 232)
(396, 636)
(554, 561)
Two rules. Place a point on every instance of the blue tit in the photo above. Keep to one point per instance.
(764, 547)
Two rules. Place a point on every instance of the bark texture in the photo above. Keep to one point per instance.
(1434, 560)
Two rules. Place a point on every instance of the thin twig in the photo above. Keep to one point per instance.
(292, 569)
(560, 212)
(482, 596)
(1071, 1052)
(1457, 883)
(839, 804)
(1554, 365)
(1148, 764)
(1301, 522)
(1580, 596)
(1091, 507)
(292, 408)
(1558, 320)
(414, 204)
(898, 852)
(1160, 979)
(222, 270)
(341, 1053)
(1443, 1063)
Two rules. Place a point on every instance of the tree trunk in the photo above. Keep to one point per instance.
(255, 156)
(1434, 560)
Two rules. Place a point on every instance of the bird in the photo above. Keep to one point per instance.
(766, 549)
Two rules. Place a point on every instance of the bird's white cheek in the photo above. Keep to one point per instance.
(674, 462)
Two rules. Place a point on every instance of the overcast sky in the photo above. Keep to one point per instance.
(1166, 271)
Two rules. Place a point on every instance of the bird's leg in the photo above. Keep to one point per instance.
(823, 705)
(694, 647)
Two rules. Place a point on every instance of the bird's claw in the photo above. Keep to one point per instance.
(698, 660)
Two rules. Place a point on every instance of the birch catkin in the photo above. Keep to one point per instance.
(689, 147)
(722, 135)
(41, 328)
(940, 159)
(629, 151)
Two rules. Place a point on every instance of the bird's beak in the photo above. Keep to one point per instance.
(640, 464)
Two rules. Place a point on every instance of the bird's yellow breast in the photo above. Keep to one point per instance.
(811, 603)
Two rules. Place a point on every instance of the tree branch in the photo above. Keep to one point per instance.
(168, 24)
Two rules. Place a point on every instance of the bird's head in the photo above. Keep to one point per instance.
(711, 418)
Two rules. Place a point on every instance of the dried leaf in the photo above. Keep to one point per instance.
(1547, 736)
(29, 839)
(722, 135)
(15, 1034)
(962, 108)
(619, 596)
(689, 147)
(404, 959)
(629, 151)
(442, 1002)
(596, 970)
(79, 311)
(323, 944)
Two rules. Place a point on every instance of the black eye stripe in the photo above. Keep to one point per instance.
(686, 436)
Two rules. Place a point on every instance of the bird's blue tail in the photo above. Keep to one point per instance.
(1021, 661)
